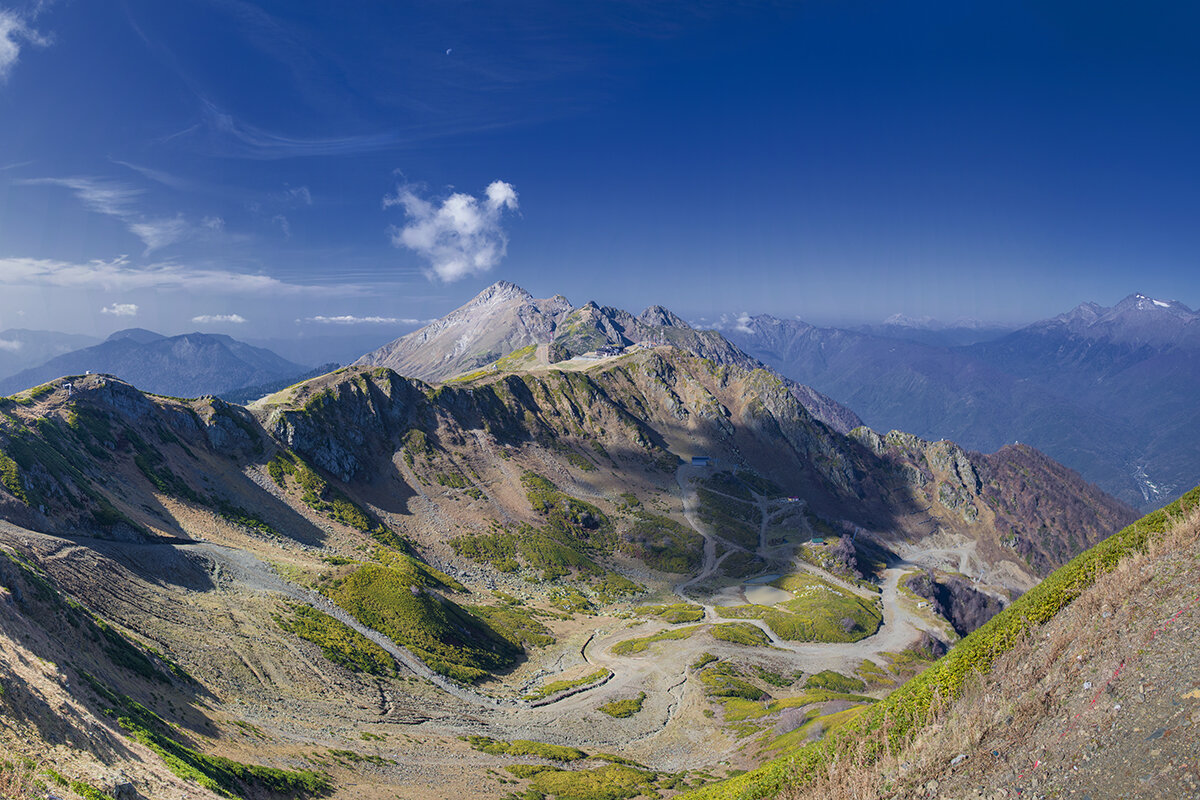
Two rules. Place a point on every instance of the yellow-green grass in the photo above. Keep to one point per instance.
(741, 633)
(396, 602)
(818, 612)
(340, 643)
(554, 687)
(642, 643)
(517, 624)
(524, 747)
(834, 681)
(827, 724)
(610, 782)
(905, 711)
(624, 708)
(674, 613)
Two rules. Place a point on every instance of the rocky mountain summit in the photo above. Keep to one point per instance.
(506, 324)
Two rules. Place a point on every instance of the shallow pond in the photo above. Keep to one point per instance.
(763, 595)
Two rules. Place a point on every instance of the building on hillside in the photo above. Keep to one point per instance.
(610, 350)
(700, 461)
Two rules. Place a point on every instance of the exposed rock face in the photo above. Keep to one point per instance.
(505, 318)
(955, 599)
(500, 319)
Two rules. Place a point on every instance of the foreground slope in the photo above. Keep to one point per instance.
(1087, 684)
(428, 589)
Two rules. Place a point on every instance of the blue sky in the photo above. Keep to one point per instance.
(287, 168)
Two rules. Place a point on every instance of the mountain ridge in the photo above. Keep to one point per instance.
(189, 364)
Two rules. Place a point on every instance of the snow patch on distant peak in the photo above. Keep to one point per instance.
(1161, 304)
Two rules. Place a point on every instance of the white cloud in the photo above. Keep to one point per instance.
(215, 224)
(121, 310)
(102, 196)
(206, 319)
(298, 196)
(284, 225)
(743, 323)
(118, 275)
(462, 236)
(347, 319)
(158, 233)
(14, 31)
(11, 345)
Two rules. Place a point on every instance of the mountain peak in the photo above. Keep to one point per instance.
(1141, 302)
(660, 317)
(138, 335)
(499, 292)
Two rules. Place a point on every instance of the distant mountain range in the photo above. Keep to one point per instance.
(1108, 391)
(189, 365)
(21, 348)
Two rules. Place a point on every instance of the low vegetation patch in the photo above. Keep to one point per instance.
(675, 613)
(818, 612)
(641, 644)
(554, 687)
(834, 682)
(624, 708)
(662, 543)
(397, 600)
(517, 624)
(340, 643)
(723, 679)
(525, 747)
(741, 633)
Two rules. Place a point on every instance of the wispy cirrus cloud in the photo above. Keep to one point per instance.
(119, 275)
(460, 236)
(349, 319)
(210, 319)
(14, 33)
(221, 132)
(121, 310)
(118, 200)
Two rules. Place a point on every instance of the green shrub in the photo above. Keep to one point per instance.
(819, 612)
(516, 624)
(723, 680)
(663, 544)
